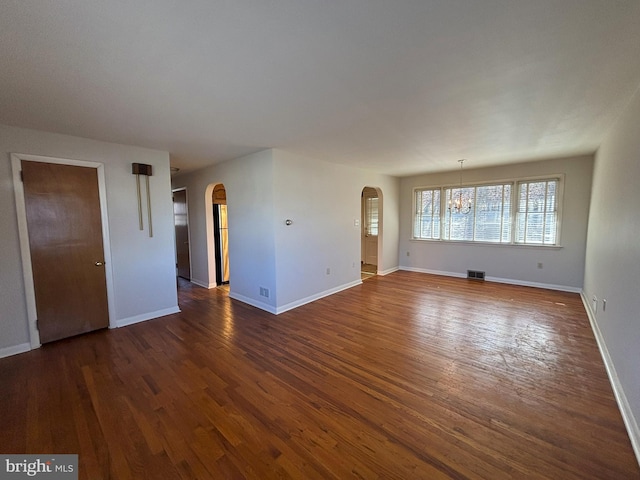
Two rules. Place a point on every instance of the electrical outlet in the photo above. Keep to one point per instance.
(408, 254)
(264, 292)
(328, 271)
(539, 264)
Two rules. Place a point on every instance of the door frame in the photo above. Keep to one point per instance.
(186, 199)
(211, 242)
(23, 234)
(380, 224)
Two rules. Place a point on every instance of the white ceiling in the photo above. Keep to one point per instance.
(397, 86)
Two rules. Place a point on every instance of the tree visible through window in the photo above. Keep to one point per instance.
(493, 218)
(427, 218)
(537, 216)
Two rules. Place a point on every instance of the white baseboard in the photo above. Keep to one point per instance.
(253, 302)
(14, 349)
(317, 296)
(432, 272)
(123, 322)
(203, 284)
(298, 303)
(625, 409)
(388, 271)
(523, 283)
(509, 281)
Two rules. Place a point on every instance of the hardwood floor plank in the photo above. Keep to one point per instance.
(405, 376)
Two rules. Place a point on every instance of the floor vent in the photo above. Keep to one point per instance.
(475, 275)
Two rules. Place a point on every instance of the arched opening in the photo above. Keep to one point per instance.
(371, 231)
(221, 234)
(217, 235)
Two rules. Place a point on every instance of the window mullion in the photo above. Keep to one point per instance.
(526, 214)
(501, 215)
(544, 215)
(513, 213)
(445, 214)
(442, 213)
(475, 209)
(421, 213)
(431, 213)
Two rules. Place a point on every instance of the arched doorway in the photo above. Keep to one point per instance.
(217, 235)
(221, 234)
(371, 231)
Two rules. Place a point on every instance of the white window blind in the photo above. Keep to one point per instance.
(537, 214)
(518, 212)
(371, 215)
(427, 214)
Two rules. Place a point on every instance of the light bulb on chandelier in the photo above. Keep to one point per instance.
(459, 205)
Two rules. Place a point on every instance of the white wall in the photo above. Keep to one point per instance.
(263, 190)
(323, 200)
(612, 265)
(563, 268)
(248, 182)
(143, 268)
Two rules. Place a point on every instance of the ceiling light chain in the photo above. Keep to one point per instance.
(459, 205)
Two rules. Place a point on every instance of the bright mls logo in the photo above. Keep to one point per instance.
(51, 467)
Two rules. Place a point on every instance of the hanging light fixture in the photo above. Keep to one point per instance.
(458, 205)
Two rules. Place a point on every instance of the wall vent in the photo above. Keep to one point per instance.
(475, 275)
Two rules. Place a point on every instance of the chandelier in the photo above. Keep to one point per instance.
(458, 204)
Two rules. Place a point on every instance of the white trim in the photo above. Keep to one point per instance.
(629, 420)
(317, 296)
(186, 205)
(510, 281)
(202, 284)
(295, 304)
(487, 244)
(254, 303)
(14, 349)
(524, 283)
(25, 251)
(388, 271)
(209, 226)
(143, 317)
(432, 272)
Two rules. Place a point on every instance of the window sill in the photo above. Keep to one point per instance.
(486, 244)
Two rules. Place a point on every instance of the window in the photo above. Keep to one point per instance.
(371, 216)
(488, 221)
(427, 214)
(537, 215)
(518, 212)
(459, 226)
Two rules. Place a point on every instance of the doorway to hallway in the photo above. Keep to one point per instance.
(370, 232)
(181, 223)
(221, 234)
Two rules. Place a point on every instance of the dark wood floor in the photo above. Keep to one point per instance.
(406, 376)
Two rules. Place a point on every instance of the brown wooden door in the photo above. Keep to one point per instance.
(183, 262)
(67, 254)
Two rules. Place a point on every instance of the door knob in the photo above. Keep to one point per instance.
(99, 264)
